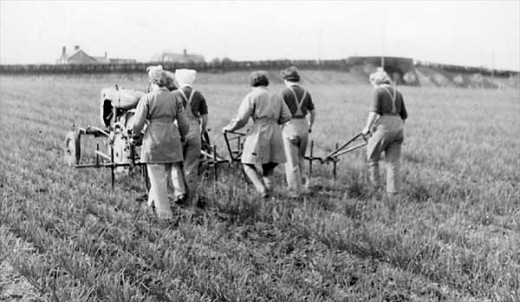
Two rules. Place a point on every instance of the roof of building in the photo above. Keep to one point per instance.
(177, 57)
(78, 56)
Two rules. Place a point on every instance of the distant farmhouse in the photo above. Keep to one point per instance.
(183, 58)
(78, 56)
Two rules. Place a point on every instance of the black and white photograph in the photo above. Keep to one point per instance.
(249, 150)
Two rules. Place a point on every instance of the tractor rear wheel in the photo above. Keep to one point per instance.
(72, 148)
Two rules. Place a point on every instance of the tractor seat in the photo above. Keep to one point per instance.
(116, 101)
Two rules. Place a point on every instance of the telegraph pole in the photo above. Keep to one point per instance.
(383, 44)
(319, 45)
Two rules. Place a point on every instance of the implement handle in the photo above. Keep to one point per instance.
(341, 150)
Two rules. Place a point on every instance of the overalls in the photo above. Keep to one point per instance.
(191, 146)
(296, 136)
(387, 136)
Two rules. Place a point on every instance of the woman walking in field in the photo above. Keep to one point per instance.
(264, 144)
(386, 123)
(162, 149)
(296, 132)
(197, 112)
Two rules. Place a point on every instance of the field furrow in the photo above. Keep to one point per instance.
(450, 236)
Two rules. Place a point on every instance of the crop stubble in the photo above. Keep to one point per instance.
(453, 235)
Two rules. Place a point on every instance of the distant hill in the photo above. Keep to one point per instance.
(350, 71)
(438, 77)
(425, 77)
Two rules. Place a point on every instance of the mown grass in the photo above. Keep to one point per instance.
(452, 236)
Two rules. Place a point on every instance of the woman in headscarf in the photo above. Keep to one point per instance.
(386, 123)
(197, 112)
(296, 132)
(162, 149)
(263, 147)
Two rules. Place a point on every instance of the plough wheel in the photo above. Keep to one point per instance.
(72, 148)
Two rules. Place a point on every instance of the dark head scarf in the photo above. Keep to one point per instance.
(290, 74)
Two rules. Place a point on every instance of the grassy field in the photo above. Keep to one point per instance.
(454, 235)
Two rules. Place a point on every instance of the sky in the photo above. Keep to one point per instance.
(470, 33)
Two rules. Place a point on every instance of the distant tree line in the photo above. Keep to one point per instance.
(217, 65)
(226, 64)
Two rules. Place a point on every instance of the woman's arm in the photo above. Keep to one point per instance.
(311, 118)
(203, 123)
(182, 119)
(372, 116)
(244, 112)
(285, 113)
(141, 112)
(403, 113)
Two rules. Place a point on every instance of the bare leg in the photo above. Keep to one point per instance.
(253, 175)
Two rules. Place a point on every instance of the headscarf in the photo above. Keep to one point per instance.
(170, 81)
(380, 77)
(258, 78)
(156, 75)
(290, 74)
(185, 76)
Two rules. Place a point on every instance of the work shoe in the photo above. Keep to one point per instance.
(181, 200)
(305, 183)
(293, 194)
(264, 192)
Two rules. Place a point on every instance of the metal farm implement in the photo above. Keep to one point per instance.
(117, 110)
(235, 140)
(358, 141)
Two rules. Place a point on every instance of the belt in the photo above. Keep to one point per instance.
(265, 121)
(161, 121)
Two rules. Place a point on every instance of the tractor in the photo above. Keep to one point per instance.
(117, 109)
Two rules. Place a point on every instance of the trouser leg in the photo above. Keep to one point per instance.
(292, 166)
(191, 163)
(151, 197)
(304, 138)
(373, 156)
(393, 165)
(177, 175)
(158, 174)
(373, 174)
(253, 175)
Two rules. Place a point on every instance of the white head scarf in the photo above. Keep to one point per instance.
(185, 76)
(156, 75)
(380, 77)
